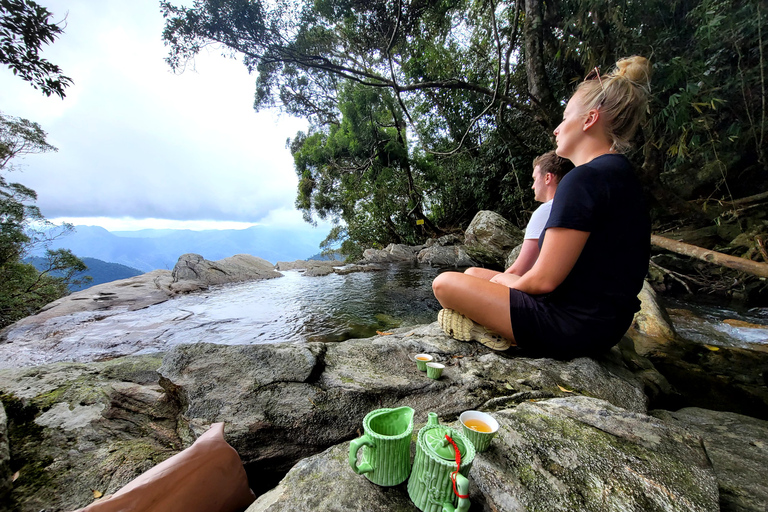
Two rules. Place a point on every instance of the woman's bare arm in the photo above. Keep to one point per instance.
(559, 252)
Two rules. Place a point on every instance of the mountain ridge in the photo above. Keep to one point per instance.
(160, 249)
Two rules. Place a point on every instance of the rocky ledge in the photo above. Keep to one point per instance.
(575, 435)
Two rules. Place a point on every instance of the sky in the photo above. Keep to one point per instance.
(141, 147)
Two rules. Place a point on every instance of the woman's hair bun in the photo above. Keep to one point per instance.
(637, 69)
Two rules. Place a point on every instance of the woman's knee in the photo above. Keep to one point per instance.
(443, 283)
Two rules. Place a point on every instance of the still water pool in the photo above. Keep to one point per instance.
(295, 309)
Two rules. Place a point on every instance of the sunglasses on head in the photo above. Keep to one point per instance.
(595, 73)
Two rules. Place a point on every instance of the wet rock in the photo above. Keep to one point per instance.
(575, 453)
(652, 319)
(193, 272)
(490, 237)
(129, 294)
(712, 377)
(307, 264)
(737, 445)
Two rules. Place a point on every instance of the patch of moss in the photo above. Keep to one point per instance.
(137, 369)
(24, 437)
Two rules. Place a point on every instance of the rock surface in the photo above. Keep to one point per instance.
(574, 453)
(109, 421)
(445, 256)
(737, 445)
(393, 253)
(6, 483)
(490, 237)
(197, 272)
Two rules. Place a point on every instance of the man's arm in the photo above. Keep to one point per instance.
(527, 257)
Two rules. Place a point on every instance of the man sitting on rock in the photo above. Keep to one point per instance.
(548, 170)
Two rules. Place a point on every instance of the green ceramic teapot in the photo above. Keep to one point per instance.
(435, 485)
(385, 446)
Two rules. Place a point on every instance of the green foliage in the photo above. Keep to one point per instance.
(24, 289)
(434, 109)
(24, 29)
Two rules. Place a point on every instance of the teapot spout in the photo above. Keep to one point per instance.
(432, 420)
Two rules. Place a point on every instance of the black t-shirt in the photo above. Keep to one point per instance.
(604, 198)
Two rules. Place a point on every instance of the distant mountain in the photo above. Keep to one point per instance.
(151, 249)
(100, 271)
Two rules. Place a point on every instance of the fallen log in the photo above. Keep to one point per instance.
(744, 265)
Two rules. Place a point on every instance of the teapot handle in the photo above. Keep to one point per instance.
(354, 447)
(462, 486)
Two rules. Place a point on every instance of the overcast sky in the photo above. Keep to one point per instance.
(140, 146)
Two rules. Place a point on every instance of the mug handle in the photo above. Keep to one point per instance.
(462, 485)
(354, 447)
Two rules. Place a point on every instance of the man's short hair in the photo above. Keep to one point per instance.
(550, 162)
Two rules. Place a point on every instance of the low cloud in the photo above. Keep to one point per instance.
(136, 141)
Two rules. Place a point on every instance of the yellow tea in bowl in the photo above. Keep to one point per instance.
(478, 425)
(422, 358)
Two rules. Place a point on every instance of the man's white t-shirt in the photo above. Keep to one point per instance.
(538, 221)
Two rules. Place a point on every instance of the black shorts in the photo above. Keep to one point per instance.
(543, 329)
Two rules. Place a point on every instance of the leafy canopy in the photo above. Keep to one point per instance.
(430, 110)
(24, 289)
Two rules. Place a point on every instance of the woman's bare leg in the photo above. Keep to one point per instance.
(482, 273)
(480, 300)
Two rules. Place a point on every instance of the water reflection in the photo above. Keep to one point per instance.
(719, 326)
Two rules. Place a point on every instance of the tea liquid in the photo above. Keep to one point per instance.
(478, 425)
(422, 358)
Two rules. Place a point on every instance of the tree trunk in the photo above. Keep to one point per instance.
(742, 264)
(538, 85)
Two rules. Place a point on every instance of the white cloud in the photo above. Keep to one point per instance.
(138, 142)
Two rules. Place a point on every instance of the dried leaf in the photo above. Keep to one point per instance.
(15, 477)
(508, 385)
(712, 348)
(384, 333)
(409, 334)
(564, 390)
(97, 494)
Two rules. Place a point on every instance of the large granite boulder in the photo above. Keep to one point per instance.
(78, 430)
(193, 272)
(574, 453)
(737, 445)
(446, 251)
(274, 394)
(490, 237)
(80, 427)
(393, 253)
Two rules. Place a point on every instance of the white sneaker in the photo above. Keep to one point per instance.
(459, 327)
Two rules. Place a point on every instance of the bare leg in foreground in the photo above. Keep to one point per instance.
(476, 298)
